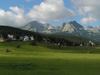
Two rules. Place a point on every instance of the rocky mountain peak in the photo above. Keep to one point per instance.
(89, 26)
(75, 24)
(44, 27)
(72, 26)
(97, 27)
(72, 22)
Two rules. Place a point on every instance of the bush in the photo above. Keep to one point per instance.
(33, 43)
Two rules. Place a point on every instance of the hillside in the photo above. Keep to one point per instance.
(13, 30)
(54, 38)
(76, 39)
(5, 30)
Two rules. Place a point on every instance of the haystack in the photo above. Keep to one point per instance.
(6, 50)
(88, 52)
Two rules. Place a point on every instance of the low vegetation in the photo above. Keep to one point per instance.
(48, 59)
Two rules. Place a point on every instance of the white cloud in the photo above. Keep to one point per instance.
(17, 10)
(89, 9)
(15, 17)
(88, 20)
(81, 12)
(28, 0)
(51, 10)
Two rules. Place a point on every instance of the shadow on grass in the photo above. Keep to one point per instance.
(17, 66)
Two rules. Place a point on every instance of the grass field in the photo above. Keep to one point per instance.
(48, 59)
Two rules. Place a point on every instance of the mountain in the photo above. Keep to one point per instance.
(71, 28)
(95, 29)
(39, 27)
(35, 26)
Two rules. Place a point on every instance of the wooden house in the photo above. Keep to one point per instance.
(26, 38)
(2, 39)
(12, 37)
(31, 38)
(21, 38)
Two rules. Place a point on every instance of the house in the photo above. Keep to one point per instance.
(2, 39)
(58, 43)
(55, 43)
(12, 37)
(31, 38)
(21, 38)
(90, 43)
(44, 40)
(48, 40)
(81, 44)
(26, 38)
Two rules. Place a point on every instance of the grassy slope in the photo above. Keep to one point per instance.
(41, 60)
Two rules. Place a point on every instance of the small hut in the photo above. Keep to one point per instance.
(31, 38)
(21, 38)
(2, 39)
(90, 43)
(26, 38)
(12, 37)
(44, 40)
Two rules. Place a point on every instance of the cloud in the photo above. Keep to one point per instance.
(51, 10)
(89, 9)
(85, 21)
(15, 17)
(28, 0)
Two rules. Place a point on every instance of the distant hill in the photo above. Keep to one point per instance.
(75, 39)
(13, 30)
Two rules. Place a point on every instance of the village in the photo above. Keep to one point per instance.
(12, 37)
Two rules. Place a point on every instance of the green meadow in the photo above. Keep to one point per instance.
(48, 59)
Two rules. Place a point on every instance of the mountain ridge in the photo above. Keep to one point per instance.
(70, 28)
(45, 26)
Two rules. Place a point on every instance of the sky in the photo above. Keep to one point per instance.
(18, 13)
